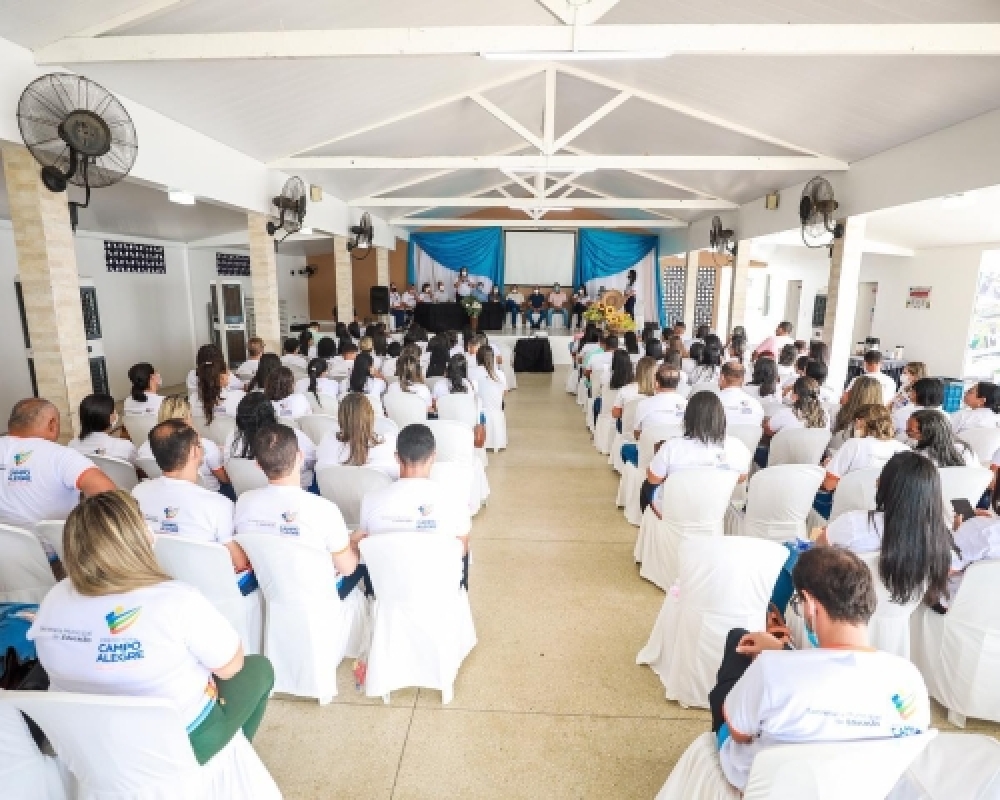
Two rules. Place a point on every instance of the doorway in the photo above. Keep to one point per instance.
(864, 314)
(793, 301)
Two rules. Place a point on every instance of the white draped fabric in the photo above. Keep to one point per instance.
(430, 271)
(646, 309)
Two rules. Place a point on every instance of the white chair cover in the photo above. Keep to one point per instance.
(149, 466)
(748, 434)
(967, 482)
(856, 492)
(218, 431)
(308, 629)
(208, 567)
(627, 434)
(458, 479)
(604, 430)
(572, 379)
(50, 532)
(454, 442)
(491, 394)
(136, 748)
(25, 575)
(798, 446)
(121, 473)
(384, 427)
(954, 766)
(458, 408)
(245, 475)
(958, 653)
(723, 583)
(694, 504)
(25, 772)
(630, 485)
(778, 503)
(346, 487)
(582, 392)
(139, 426)
(326, 404)
(404, 408)
(316, 426)
(983, 441)
(507, 365)
(422, 626)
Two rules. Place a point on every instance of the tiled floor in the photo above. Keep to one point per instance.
(550, 704)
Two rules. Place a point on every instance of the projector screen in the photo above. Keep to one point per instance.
(539, 258)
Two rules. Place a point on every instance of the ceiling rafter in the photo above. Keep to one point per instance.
(507, 120)
(141, 13)
(599, 193)
(585, 124)
(471, 200)
(578, 13)
(465, 222)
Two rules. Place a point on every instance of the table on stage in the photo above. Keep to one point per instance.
(533, 355)
(439, 317)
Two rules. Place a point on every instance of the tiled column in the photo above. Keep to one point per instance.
(345, 280)
(738, 286)
(381, 266)
(842, 298)
(46, 262)
(264, 282)
(690, 289)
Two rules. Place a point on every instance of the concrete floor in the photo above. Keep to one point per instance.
(550, 703)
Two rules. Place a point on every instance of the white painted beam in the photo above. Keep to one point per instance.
(577, 13)
(520, 182)
(467, 201)
(549, 113)
(555, 187)
(584, 124)
(560, 163)
(508, 120)
(979, 39)
(462, 222)
(141, 13)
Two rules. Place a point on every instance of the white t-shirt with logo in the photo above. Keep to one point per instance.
(323, 386)
(819, 695)
(332, 452)
(211, 461)
(628, 392)
(192, 382)
(104, 444)
(229, 401)
(740, 408)
(150, 407)
(161, 641)
(295, 360)
(860, 531)
(290, 511)
(292, 407)
(173, 507)
(681, 453)
(306, 446)
(415, 505)
(974, 418)
(888, 385)
(864, 453)
(419, 389)
(663, 408)
(785, 418)
(38, 480)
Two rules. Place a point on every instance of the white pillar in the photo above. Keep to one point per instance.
(344, 280)
(738, 286)
(690, 288)
(264, 282)
(842, 298)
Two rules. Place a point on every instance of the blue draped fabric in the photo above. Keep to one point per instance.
(601, 253)
(480, 250)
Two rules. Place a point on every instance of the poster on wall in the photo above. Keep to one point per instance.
(982, 354)
(229, 265)
(132, 257)
(919, 297)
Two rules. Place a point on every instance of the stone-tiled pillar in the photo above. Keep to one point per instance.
(264, 282)
(842, 298)
(381, 266)
(690, 289)
(46, 262)
(738, 287)
(344, 280)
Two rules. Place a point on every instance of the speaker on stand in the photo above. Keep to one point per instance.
(379, 300)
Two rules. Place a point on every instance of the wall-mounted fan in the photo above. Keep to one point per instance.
(816, 210)
(362, 236)
(291, 205)
(721, 240)
(79, 132)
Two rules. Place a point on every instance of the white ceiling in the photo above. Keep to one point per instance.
(932, 224)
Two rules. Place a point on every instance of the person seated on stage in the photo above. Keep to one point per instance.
(291, 357)
(514, 304)
(557, 305)
(741, 408)
(536, 309)
(98, 419)
(926, 393)
(441, 294)
(768, 694)
(397, 309)
(873, 369)
(411, 380)
(255, 349)
(930, 434)
(982, 401)
(426, 294)
(581, 302)
(143, 399)
(280, 390)
(356, 443)
(480, 292)
(409, 302)
(494, 295)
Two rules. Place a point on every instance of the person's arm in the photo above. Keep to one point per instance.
(346, 561)
(238, 556)
(228, 670)
(616, 412)
(93, 482)
(830, 482)
(221, 475)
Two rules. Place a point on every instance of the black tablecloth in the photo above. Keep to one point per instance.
(533, 355)
(439, 317)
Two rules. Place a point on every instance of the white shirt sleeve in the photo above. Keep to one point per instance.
(783, 418)
(659, 466)
(71, 465)
(224, 520)
(213, 456)
(843, 460)
(745, 703)
(209, 636)
(854, 531)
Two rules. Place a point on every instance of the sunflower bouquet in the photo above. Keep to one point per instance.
(610, 317)
(471, 305)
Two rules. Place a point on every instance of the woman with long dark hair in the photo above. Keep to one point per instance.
(787, 359)
(623, 378)
(363, 380)
(305, 343)
(630, 292)
(142, 398)
(357, 444)
(316, 381)
(764, 382)
(214, 397)
(97, 420)
(411, 380)
(326, 348)
(689, 364)
(932, 436)
(709, 365)
(457, 378)
(269, 362)
(253, 413)
(280, 390)
(439, 350)
(819, 351)
(631, 344)
(982, 410)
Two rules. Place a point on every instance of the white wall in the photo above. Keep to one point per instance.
(16, 383)
(784, 263)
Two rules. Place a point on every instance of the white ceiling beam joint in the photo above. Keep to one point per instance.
(612, 104)
(472, 201)
(140, 13)
(549, 114)
(520, 182)
(508, 120)
(464, 222)
(555, 187)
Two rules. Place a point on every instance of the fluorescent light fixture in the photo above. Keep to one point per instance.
(954, 201)
(306, 231)
(180, 197)
(551, 170)
(528, 207)
(576, 55)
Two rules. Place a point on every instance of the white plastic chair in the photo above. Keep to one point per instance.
(245, 475)
(626, 436)
(422, 627)
(139, 426)
(316, 426)
(861, 770)
(778, 503)
(208, 567)
(507, 365)
(150, 467)
(604, 430)
(983, 441)
(958, 653)
(572, 379)
(50, 532)
(25, 574)
(748, 434)
(967, 482)
(327, 404)
(346, 487)
(126, 748)
(121, 472)
(26, 772)
(798, 446)
(630, 485)
(694, 503)
(953, 766)
(723, 583)
(856, 492)
(458, 408)
(220, 429)
(404, 408)
(308, 629)
(491, 394)
(454, 442)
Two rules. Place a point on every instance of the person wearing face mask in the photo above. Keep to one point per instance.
(426, 294)
(557, 305)
(494, 295)
(396, 308)
(463, 286)
(536, 309)
(768, 694)
(514, 304)
(926, 393)
(97, 419)
(982, 401)
(480, 292)
(912, 372)
(581, 302)
(440, 294)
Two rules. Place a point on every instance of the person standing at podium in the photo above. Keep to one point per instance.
(463, 286)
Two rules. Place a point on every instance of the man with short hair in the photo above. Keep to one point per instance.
(597, 363)
(841, 689)
(873, 369)
(176, 504)
(415, 503)
(291, 357)
(441, 294)
(343, 362)
(513, 304)
(255, 349)
(680, 329)
(39, 478)
(773, 344)
(480, 292)
(740, 407)
(666, 407)
(557, 305)
(536, 309)
(284, 508)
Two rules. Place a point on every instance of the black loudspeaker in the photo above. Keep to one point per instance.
(379, 299)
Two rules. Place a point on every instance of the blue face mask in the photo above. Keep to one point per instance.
(812, 637)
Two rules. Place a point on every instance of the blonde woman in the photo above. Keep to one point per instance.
(167, 640)
(367, 345)
(645, 376)
(912, 372)
(486, 368)
(872, 445)
(411, 380)
(212, 473)
(806, 411)
(357, 444)
(865, 392)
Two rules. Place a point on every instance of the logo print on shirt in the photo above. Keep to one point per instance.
(20, 459)
(289, 516)
(171, 513)
(906, 705)
(425, 510)
(121, 620)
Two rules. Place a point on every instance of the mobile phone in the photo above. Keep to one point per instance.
(963, 508)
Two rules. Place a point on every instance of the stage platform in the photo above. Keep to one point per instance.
(559, 345)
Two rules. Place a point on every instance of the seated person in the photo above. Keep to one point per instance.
(925, 393)
(411, 380)
(764, 382)
(480, 292)
(621, 375)
(190, 654)
(788, 361)
(441, 294)
(97, 419)
(866, 392)
(143, 399)
(364, 379)
(269, 362)
(581, 302)
(768, 695)
(666, 406)
(343, 363)
(415, 503)
(818, 370)
(929, 432)
(175, 504)
(557, 305)
(209, 353)
(280, 390)
(513, 305)
(911, 373)
(873, 369)
(872, 445)
(804, 412)
(42, 478)
(494, 296)
(740, 407)
(982, 401)
(704, 444)
(457, 380)
(214, 396)
(536, 309)
(255, 349)
(357, 444)
(426, 294)
(393, 351)
(598, 362)
(316, 381)
(255, 411)
(709, 365)
(284, 509)
(291, 356)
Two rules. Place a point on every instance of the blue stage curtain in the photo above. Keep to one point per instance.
(601, 253)
(480, 250)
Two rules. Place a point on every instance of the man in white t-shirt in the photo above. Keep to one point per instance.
(415, 503)
(680, 329)
(284, 508)
(174, 504)
(840, 690)
(255, 349)
(291, 357)
(774, 344)
(666, 407)
(441, 294)
(557, 305)
(40, 478)
(873, 369)
(598, 363)
(740, 407)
